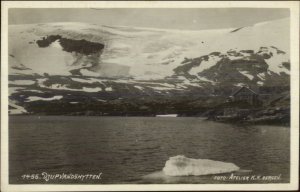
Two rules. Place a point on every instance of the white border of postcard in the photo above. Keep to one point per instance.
(294, 29)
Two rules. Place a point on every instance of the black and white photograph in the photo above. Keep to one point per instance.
(122, 96)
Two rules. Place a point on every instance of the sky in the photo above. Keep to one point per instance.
(176, 18)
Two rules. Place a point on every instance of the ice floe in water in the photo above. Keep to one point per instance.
(183, 166)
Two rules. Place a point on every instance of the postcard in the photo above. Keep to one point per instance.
(127, 96)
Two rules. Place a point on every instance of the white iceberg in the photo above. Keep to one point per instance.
(183, 166)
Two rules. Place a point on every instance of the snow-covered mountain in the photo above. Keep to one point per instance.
(75, 62)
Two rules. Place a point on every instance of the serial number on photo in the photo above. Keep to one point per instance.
(61, 176)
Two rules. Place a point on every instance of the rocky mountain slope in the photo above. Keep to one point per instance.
(75, 68)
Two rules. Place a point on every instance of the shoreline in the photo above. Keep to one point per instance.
(238, 122)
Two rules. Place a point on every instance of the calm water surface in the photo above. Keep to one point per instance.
(125, 149)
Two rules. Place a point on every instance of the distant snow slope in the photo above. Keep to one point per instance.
(142, 53)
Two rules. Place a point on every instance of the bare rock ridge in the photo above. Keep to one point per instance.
(235, 67)
(71, 45)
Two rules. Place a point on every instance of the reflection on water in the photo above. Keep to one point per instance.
(128, 149)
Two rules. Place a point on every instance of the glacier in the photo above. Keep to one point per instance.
(140, 53)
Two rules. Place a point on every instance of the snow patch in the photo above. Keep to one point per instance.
(212, 60)
(13, 90)
(108, 89)
(22, 82)
(232, 58)
(246, 73)
(260, 83)
(205, 79)
(139, 87)
(275, 64)
(86, 72)
(35, 98)
(56, 44)
(57, 86)
(162, 88)
(89, 80)
(240, 84)
(181, 86)
(262, 76)
(81, 80)
(186, 82)
(36, 91)
(17, 109)
(92, 90)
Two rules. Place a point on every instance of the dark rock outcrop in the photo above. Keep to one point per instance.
(71, 45)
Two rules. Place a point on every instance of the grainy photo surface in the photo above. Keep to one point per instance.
(149, 95)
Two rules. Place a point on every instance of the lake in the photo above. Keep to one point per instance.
(135, 149)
